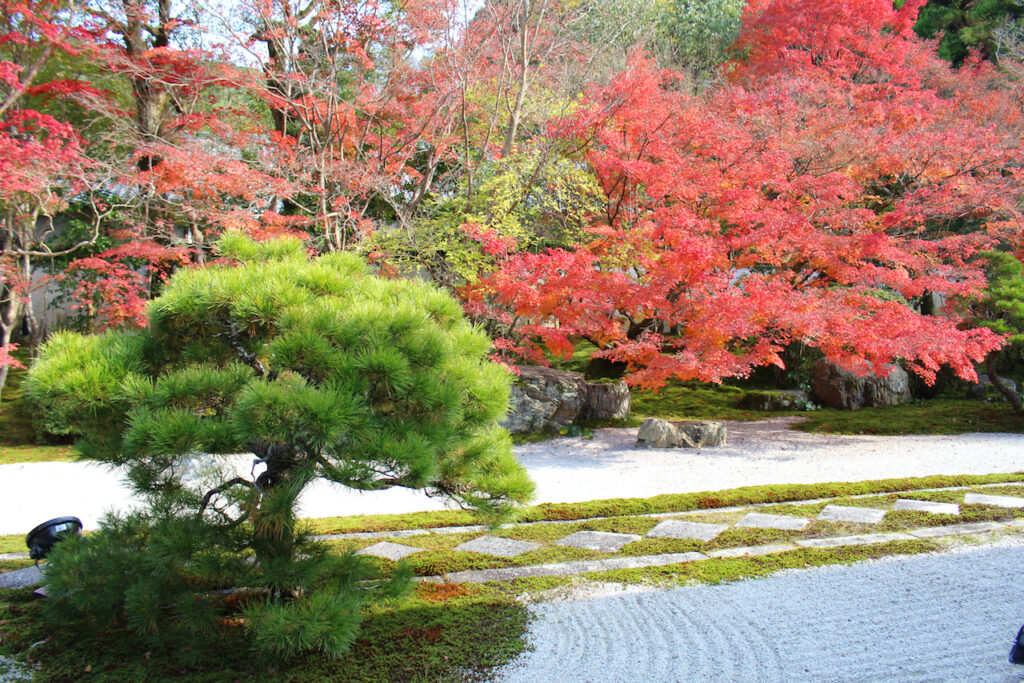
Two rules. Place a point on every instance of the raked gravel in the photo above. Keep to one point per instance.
(945, 617)
(568, 470)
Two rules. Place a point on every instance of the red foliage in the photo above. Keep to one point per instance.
(7, 359)
(846, 172)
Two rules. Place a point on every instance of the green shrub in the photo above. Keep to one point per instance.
(320, 370)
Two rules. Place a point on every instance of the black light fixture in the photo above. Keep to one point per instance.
(41, 539)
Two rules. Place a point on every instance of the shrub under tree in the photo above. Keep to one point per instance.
(319, 369)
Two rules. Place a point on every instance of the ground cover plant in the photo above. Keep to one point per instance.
(462, 632)
(322, 371)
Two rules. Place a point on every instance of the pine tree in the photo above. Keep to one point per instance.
(321, 371)
(1001, 309)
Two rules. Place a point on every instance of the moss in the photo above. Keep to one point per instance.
(13, 543)
(731, 569)
(678, 502)
(15, 454)
(12, 565)
(934, 416)
(443, 634)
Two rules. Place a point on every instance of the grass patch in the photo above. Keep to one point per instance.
(13, 543)
(674, 502)
(936, 416)
(12, 565)
(15, 454)
(734, 568)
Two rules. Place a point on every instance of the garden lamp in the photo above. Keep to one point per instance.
(41, 539)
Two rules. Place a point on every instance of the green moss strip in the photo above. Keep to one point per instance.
(674, 502)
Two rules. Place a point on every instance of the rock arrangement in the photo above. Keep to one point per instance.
(836, 388)
(655, 433)
(546, 400)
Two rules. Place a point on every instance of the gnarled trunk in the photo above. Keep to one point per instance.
(1011, 396)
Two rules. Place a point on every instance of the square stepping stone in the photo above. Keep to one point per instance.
(840, 513)
(759, 520)
(501, 547)
(603, 541)
(389, 551)
(927, 506)
(998, 501)
(674, 528)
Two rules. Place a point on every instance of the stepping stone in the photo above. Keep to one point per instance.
(839, 513)
(863, 539)
(674, 528)
(19, 578)
(752, 551)
(759, 520)
(998, 501)
(602, 541)
(501, 547)
(4, 557)
(566, 568)
(389, 551)
(927, 506)
(955, 529)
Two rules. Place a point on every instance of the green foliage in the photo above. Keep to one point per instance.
(1002, 307)
(319, 369)
(527, 199)
(965, 25)
(696, 34)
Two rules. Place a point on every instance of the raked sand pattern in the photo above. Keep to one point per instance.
(947, 617)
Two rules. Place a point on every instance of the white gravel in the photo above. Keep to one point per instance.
(949, 617)
(572, 470)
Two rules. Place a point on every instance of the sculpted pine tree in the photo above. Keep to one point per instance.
(321, 371)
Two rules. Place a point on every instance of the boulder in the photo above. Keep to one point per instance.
(655, 433)
(606, 401)
(545, 399)
(837, 388)
(984, 389)
(781, 399)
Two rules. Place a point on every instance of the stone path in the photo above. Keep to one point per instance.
(610, 542)
(676, 529)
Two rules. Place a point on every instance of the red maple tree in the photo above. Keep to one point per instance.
(844, 174)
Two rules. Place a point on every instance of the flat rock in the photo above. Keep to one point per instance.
(500, 547)
(674, 528)
(759, 520)
(998, 501)
(567, 568)
(20, 578)
(927, 506)
(752, 550)
(602, 541)
(657, 433)
(861, 539)
(389, 551)
(955, 529)
(840, 513)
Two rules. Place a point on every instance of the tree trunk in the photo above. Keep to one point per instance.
(1012, 397)
(5, 339)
